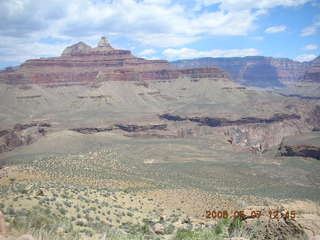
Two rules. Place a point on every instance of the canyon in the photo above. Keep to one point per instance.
(122, 93)
(258, 70)
(139, 140)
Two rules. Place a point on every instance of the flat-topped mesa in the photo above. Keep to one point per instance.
(80, 63)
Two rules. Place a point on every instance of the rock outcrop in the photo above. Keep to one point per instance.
(313, 118)
(306, 145)
(123, 127)
(81, 63)
(21, 134)
(280, 228)
(301, 151)
(252, 133)
(313, 73)
(76, 49)
(254, 71)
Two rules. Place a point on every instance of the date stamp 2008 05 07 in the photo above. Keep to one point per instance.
(272, 214)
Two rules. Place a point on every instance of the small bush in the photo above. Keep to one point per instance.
(183, 234)
(235, 226)
(169, 229)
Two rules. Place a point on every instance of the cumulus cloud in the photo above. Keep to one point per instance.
(236, 5)
(305, 57)
(161, 2)
(164, 39)
(75, 18)
(311, 47)
(152, 23)
(22, 18)
(276, 29)
(19, 50)
(163, 23)
(311, 30)
(185, 53)
(147, 52)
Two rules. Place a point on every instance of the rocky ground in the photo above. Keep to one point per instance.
(92, 193)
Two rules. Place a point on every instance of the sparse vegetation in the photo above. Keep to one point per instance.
(81, 196)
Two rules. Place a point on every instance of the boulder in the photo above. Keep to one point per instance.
(158, 229)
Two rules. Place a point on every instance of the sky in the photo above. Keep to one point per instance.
(161, 29)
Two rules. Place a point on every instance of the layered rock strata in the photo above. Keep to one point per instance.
(313, 73)
(81, 63)
(256, 70)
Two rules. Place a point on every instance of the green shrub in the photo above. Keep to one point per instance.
(62, 211)
(169, 229)
(23, 191)
(80, 223)
(184, 234)
(235, 225)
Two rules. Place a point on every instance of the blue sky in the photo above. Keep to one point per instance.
(162, 29)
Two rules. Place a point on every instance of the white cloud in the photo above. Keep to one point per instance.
(73, 19)
(311, 30)
(224, 23)
(236, 5)
(311, 47)
(160, 23)
(305, 57)
(150, 57)
(185, 53)
(276, 29)
(164, 39)
(147, 52)
(161, 2)
(19, 50)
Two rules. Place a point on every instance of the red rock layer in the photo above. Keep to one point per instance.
(80, 63)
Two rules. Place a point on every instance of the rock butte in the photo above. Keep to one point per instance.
(81, 63)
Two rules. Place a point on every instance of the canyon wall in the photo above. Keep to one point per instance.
(313, 73)
(253, 71)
